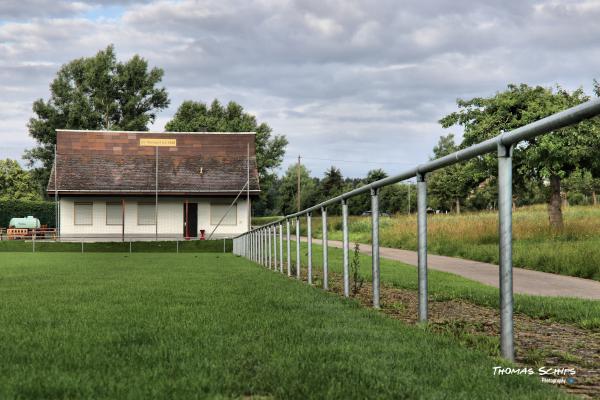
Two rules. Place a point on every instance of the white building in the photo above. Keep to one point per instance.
(145, 185)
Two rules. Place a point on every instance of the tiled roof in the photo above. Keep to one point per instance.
(105, 162)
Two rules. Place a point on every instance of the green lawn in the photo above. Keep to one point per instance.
(142, 326)
(443, 285)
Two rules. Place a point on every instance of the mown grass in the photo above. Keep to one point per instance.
(184, 246)
(575, 251)
(141, 326)
(444, 286)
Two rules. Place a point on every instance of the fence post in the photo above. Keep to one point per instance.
(82, 247)
(298, 247)
(130, 247)
(281, 247)
(325, 250)
(289, 251)
(346, 247)
(505, 234)
(261, 248)
(224, 243)
(422, 245)
(33, 242)
(375, 245)
(309, 245)
(270, 248)
(275, 247)
(177, 240)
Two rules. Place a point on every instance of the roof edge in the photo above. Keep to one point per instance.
(156, 132)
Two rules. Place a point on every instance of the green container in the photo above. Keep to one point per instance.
(29, 223)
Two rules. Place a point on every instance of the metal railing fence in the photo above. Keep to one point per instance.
(254, 246)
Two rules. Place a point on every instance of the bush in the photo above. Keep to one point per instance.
(45, 211)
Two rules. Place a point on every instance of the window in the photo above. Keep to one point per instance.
(217, 210)
(146, 214)
(114, 214)
(84, 213)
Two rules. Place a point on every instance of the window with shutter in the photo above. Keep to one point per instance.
(146, 214)
(84, 213)
(114, 214)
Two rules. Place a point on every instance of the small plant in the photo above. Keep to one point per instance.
(357, 279)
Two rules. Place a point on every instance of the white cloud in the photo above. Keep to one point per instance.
(358, 78)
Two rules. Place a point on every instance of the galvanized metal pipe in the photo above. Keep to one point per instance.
(298, 261)
(346, 247)
(325, 250)
(505, 233)
(270, 261)
(262, 247)
(309, 245)
(274, 247)
(281, 247)
(289, 251)
(375, 245)
(422, 245)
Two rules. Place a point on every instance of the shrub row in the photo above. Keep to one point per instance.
(45, 211)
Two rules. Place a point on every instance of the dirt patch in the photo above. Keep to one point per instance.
(538, 343)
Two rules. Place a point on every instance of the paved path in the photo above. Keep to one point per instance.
(524, 281)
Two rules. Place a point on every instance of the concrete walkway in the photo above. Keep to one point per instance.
(524, 281)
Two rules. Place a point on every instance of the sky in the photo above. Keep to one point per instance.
(355, 84)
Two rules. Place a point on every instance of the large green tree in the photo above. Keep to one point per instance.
(288, 189)
(450, 186)
(96, 92)
(547, 158)
(193, 116)
(16, 183)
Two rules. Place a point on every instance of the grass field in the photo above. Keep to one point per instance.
(575, 251)
(211, 325)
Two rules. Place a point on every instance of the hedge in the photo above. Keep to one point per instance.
(185, 246)
(45, 211)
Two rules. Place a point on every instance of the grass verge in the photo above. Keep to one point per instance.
(444, 286)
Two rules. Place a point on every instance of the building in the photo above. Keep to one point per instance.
(148, 185)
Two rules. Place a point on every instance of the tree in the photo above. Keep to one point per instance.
(549, 157)
(94, 93)
(192, 116)
(331, 185)
(451, 185)
(361, 203)
(16, 183)
(288, 189)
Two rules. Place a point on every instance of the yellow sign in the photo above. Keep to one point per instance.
(158, 142)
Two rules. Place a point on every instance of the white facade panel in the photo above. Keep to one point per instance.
(170, 217)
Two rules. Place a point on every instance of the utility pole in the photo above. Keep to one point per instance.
(298, 178)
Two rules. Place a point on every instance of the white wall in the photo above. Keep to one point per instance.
(170, 217)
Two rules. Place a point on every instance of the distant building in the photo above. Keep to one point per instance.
(146, 184)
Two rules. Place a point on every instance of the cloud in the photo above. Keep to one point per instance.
(343, 79)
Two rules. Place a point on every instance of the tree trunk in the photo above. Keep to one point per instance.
(594, 199)
(458, 206)
(554, 208)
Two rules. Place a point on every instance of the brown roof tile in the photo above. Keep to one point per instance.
(105, 162)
